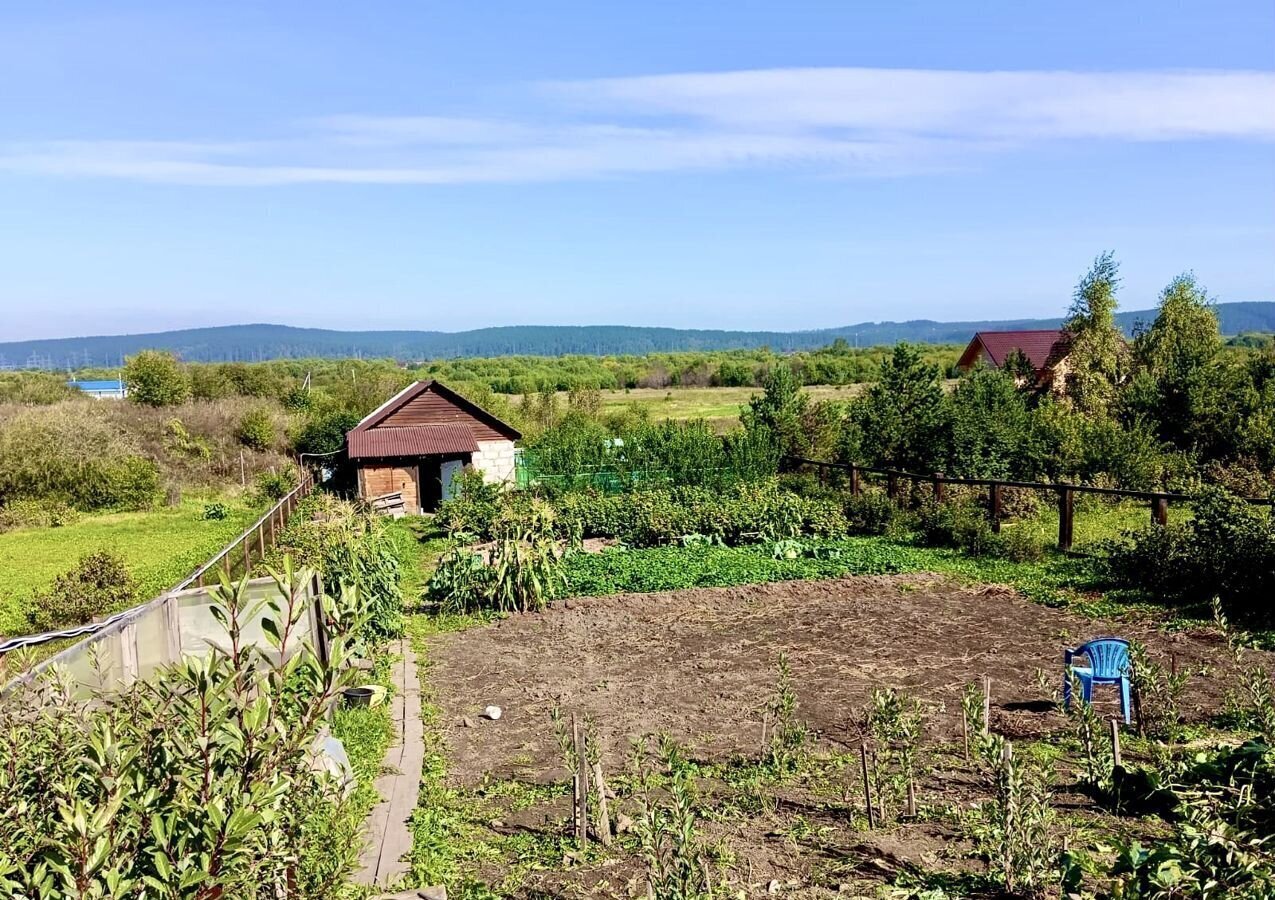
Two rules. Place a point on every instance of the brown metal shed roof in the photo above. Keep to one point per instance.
(411, 440)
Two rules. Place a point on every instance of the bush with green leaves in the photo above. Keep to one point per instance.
(1220, 846)
(195, 783)
(1226, 550)
(473, 508)
(50, 513)
(1019, 542)
(667, 824)
(739, 513)
(784, 735)
(323, 433)
(894, 721)
(100, 583)
(256, 429)
(869, 512)
(960, 524)
(1157, 693)
(275, 484)
(215, 511)
(155, 378)
(1012, 829)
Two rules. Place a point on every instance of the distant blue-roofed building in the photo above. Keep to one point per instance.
(102, 390)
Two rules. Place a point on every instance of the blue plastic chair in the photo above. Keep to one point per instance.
(1108, 664)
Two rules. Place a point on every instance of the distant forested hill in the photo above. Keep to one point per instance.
(261, 342)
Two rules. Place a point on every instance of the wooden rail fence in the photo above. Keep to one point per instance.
(236, 558)
(1158, 500)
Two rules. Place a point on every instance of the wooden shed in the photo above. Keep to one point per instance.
(417, 443)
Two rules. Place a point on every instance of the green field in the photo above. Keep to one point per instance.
(160, 547)
(719, 405)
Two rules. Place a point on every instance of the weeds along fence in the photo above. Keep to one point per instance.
(853, 476)
(134, 642)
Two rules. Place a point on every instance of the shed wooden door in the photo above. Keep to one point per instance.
(407, 480)
(377, 481)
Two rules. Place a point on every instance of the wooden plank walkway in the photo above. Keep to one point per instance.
(389, 839)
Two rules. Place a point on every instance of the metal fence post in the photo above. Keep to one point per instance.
(939, 487)
(854, 480)
(994, 502)
(892, 486)
(1160, 511)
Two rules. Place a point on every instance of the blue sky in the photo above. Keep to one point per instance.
(744, 165)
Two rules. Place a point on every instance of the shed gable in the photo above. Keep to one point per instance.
(427, 405)
(431, 408)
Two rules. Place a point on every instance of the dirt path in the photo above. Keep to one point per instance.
(700, 663)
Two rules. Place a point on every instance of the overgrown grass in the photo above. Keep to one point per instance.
(159, 546)
(420, 543)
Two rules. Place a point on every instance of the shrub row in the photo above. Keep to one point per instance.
(736, 514)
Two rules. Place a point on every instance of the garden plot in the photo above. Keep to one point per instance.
(700, 665)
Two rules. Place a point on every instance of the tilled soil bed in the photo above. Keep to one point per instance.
(700, 664)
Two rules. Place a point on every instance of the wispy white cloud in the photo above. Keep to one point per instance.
(867, 122)
(1015, 106)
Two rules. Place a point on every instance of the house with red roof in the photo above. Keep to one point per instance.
(1046, 350)
(417, 443)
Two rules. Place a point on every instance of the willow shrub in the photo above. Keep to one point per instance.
(69, 455)
(195, 783)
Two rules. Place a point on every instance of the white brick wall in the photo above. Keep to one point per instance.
(495, 459)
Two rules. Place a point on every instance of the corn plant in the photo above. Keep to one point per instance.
(1012, 830)
(895, 721)
(786, 743)
(527, 570)
(461, 582)
(667, 826)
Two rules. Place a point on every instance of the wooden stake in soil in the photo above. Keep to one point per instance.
(965, 735)
(604, 817)
(911, 798)
(1115, 743)
(867, 787)
(987, 704)
(581, 781)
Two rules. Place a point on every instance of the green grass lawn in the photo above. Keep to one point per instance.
(160, 547)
